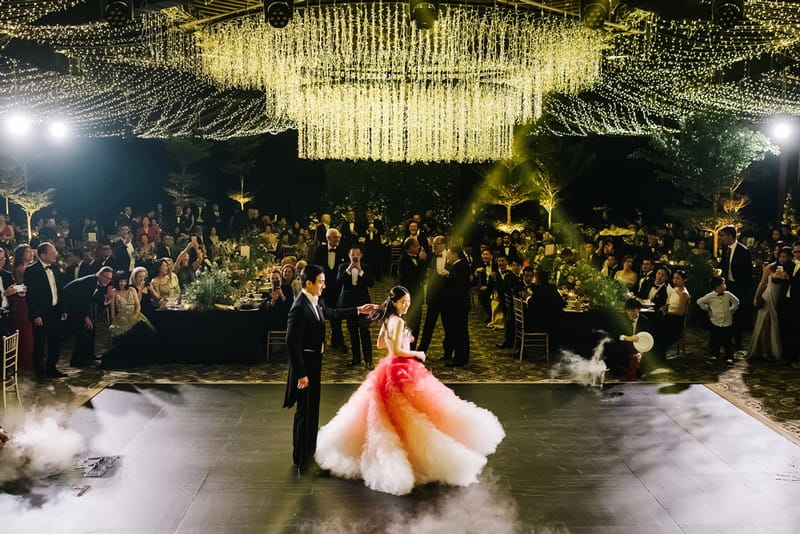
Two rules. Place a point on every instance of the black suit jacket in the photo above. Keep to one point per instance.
(319, 235)
(741, 268)
(625, 327)
(512, 254)
(543, 309)
(163, 251)
(305, 335)
(457, 286)
(644, 283)
(411, 276)
(354, 295)
(349, 237)
(331, 292)
(121, 259)
(78, 296)
(7, 277)
(40, 297)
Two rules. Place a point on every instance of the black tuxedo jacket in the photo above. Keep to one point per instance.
(543, 309)
(319, 235)
(511, 284)
(305, 335)
(349, 237)
(354, 295)
(457, 286)
(121, 258)
(644, 283)
(78, 296)
(411, 276)
(39, 297)
(794, 285)
(512, 253)
(163, 251)
(87, 267)
(436, 282)
(741, 268)
(482, 279)
(7, 277)
(331, 292)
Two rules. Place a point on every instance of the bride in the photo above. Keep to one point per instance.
(403, 427)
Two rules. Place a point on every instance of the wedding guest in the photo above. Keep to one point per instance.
(301, 247)
(737, 270)
(124, 253)
(436, 266)
(791, 312)
(80, 296)
(627, 276)
(508, 288)
(321, 232)
(20, 319)
(544, 308)
(621, 356)
(145, 251)
(147, 229)
(330, 257)
(46, 311)
(186, 273)
(7, 234)
(484, 279)
(720, 305)
(766, 339)
(508, 249)
(645, 281)
(411, 269)
(374, 251)
(674, 317)
(280, 299)
(610, 267)
(187, 221)
(165, 285)
(498, 317)
(124, 218)
(289, 275)
(354, 280)
(350, 229)
(131, 332)
(455, 309)
(297, 284)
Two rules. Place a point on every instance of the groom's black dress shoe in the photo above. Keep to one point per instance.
(369, 366)
(453, 363)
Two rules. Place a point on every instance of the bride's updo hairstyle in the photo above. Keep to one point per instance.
(387, 309)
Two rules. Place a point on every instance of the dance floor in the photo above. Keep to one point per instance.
(633, 458)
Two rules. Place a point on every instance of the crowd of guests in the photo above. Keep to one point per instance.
(147, 259)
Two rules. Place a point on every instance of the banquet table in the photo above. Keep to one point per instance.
(581, 331)
(211, 336)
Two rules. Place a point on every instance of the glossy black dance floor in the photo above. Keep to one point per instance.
(634, 458)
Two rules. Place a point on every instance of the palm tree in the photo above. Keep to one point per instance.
(31, 202)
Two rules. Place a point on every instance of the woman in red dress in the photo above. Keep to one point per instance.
(23, 256)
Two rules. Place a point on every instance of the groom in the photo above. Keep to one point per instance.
(305, 342)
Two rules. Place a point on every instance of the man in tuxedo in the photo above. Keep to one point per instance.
(455, 309)
(411, 269)
(321, 233)
(122, 248)
(7, 288)
(305, 343)
(124, 218)
(166, 249)
(510, 286)
(374, 251)
(621, 357)
(509, 250)
(544, 308)
(85, 267)
(414, 230)
(484, 279)
(330, 256)
(646, 277)
(45, 310)
(737, 270)
(434, 295)
(354, 280)
(350, 230)
(79, 295)
(217, 220)
(790, 313)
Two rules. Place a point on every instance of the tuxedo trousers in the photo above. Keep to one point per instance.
(46, 343)
(83, 351)
(414, 316)
(455, 320)
(360, 339)
(431, 317)
(742, 317)
(306, 416)
(789, 319)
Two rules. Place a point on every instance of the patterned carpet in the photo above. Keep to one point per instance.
(768, 391)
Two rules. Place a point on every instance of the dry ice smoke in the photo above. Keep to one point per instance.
(587, 372)
(40, 445)
(478, 509)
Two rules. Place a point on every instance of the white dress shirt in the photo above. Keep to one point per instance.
(354, 274)
(720, 307)
(331, 259)
(314, 303)
(3, 288)
(441, 261)
(732, 248)
(51, 277)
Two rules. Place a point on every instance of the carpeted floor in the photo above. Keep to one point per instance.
(769, 391)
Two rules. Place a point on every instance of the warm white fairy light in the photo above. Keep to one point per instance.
(359, 82)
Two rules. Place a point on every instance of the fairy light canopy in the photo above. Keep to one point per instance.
(358, 81)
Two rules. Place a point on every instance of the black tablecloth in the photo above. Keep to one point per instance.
(213, 336)
(582, 331)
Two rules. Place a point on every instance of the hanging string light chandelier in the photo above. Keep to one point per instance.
(359, 82)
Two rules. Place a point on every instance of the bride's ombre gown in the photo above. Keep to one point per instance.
(403, 427)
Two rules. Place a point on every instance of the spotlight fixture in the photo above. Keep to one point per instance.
(118, 13)
(58, 130)
(594, 13)
(782, 130)
(18, 125)
(424, 13)
(278, 12)
(727, 13)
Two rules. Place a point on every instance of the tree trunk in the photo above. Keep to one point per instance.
(508, 213)
(7, 205)
(550, 219)
(30, 234)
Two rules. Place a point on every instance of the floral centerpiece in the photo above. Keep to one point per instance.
(601, 291)
(210, 288)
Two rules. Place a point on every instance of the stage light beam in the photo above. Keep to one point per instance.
(18, 125)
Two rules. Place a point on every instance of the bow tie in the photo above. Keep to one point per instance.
(49, 268)
(331, 250)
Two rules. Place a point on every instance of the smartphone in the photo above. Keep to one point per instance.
(276, 285)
